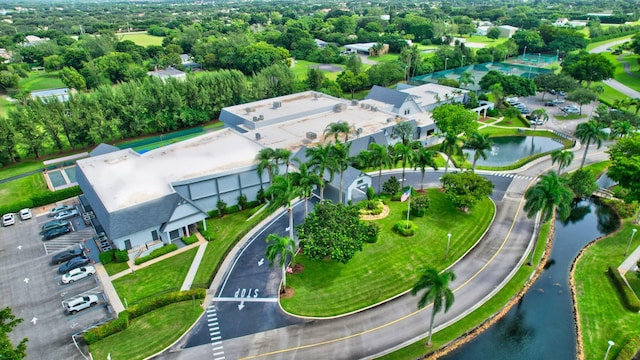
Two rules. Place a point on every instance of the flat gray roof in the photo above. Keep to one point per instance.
(425, 94)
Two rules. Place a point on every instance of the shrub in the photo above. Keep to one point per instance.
(371, 193)
(190, 239)
(493, 112)
(157, 302)
(121, 256)
(391, 186)
(252, 204)
(222, 207)
(208, 234)
(419, 205)
(231, 209)
(371, 233)
(110, 328)
(261, 196)
(401, 228)
(107, 257)
(242, 201)
(629, 298)
(157, 253)
(371, 207)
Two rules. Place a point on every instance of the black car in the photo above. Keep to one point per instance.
(55, 232)
(54, 224)
(73, 264)
(66, 255)
(549, 103)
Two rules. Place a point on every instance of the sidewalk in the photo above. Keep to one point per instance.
(629, 264)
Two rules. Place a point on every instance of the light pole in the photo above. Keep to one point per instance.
(462, 62)
(611, 343)
(539, 55)
(557, 54)
(445, 63)
(492, 57)
(524, 54)
(633, 232)
(446, 254)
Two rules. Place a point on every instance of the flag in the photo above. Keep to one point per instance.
(406, 195)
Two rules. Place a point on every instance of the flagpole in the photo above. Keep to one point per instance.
(408, 208)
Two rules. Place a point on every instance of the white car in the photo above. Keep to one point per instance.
(26, 214)
(59, 209)
(66, 214)
(8, 219)
(77, 274)
(80, 303)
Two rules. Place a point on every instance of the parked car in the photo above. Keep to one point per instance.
(54, 224)
(55, 232)
(73, 264)
(67, 214)
(572, 111)
(524, 111)
(80, 303)
(558, 101)
(26, 214)
(549, 103)
(58, 209)
(8, 219)
(511, 99)
(66, 255)
(77, 274)
(552, 92)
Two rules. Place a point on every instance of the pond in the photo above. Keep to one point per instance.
(541, 325)
(507, 150)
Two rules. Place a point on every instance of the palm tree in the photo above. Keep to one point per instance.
(540, 113)
(380, 157)
(590, 132)
(620, 128)
(480, 144)
(403, 130)
(337, 128)
(340, 154)
(549, 195)
(320, 161)
(437, 290)
(421, 159)
(280, 154)
(305, 180)
(265, 156)
(280, 247)
(466, 78)
(449, 146)
(562, 157)
(402, 153)
(283, 192)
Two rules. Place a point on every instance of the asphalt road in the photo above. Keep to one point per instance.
(614, 83)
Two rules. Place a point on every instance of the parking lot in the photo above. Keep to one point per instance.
(32, 288)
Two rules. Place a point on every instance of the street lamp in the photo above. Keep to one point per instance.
(446, 255)
(524, 54)
(445, 63)
(539, 55)
(492, 57)
(557, 54)
(611, 343)
(462, 62)
(633, 232)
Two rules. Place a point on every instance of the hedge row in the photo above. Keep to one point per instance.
(113, 255)
(122, 322)
(190, 239)
(629, 297)
(157, 253)
(41, 199)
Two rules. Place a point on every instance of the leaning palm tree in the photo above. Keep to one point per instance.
(380, 157)
(480, 144)
(320, 161)
(421, 159)
(562, 157)
(340, 154)
(265, 157)
(305, 180)
(282, 191)
(437, 290)
(449, 146)
(590, 132)
(280, 247)
(550, 195)
(337, 128)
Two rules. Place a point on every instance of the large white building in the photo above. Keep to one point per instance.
(141, 199)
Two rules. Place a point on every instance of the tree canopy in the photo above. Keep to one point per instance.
(465, 189)
(455, 119)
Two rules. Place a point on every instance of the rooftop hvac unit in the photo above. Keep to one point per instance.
(367, 106)
(339, 107)
(311, 135)
(277, 104)
(255, 118)
(389, 120)
(374, 108)
(354, 102)
(261, 117)
(248, 109)
(258, 136)
(317, 96)
(359, 131)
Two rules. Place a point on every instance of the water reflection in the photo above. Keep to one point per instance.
(541, 326)
(506, 150)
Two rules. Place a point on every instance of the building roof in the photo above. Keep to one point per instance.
(168, 72)
(388, 96)
(61, 94)
(363, 47)
(103, 149)
(125, 178)
(425, 95)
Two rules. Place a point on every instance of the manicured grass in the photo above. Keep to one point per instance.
(634, 281)
(597, 168)
(19, 168)
(512, 122)
(598, 43)
(149, 333)
(384, 58)
(302, 66)
(40, 80)
(485, 40)
(387, 267)
(142, 39)
(227, 230)
(610, 96)
(603, 316)
(620, 75)
(571, 117)
(114, 268)
(475, 318)
(166, 275)
(22, 188)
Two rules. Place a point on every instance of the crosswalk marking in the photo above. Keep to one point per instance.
(214, 332)
(513, 176)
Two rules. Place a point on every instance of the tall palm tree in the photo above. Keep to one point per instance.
(480, 144)
(550, 195)
(305, 180)
(403, 130)
(380, 157)
(265, 156)
(562, 157)
(283, 155)
(340, 154)
(449, 146)
(320, 161)
(620, 128)
(282, 191)
(590, 132)
(437, 289)
(403, 153)
(337, 128)
(421, 159)
(280, 247)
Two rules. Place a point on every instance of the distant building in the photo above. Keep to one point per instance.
(167, 73)
(61, 94)
(561, 22)
(31, 40)
(365, 48)
(187, 62)
(507, 31)
(5, 55)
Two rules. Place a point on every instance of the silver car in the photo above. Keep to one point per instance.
(80, 303)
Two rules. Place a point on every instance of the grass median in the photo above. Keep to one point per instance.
(328, 288)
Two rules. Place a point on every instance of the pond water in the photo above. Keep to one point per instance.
(541, 325)
(506, 150)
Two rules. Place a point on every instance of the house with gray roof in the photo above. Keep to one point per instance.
(60, 95)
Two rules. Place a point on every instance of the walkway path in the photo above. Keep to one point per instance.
(611, 82)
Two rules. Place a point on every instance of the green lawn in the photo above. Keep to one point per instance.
(149, 333)
(227, 230)
(602, 315)
(485, 40)
(166, 275)
(571, 116)
(23, 188)
(40, 80)
(115, 267)
(384, 58)
(142, 39)
(302, 66)
(622, 76)
(598, 43)
(512, 122)
(610, 95)
(387, 267)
